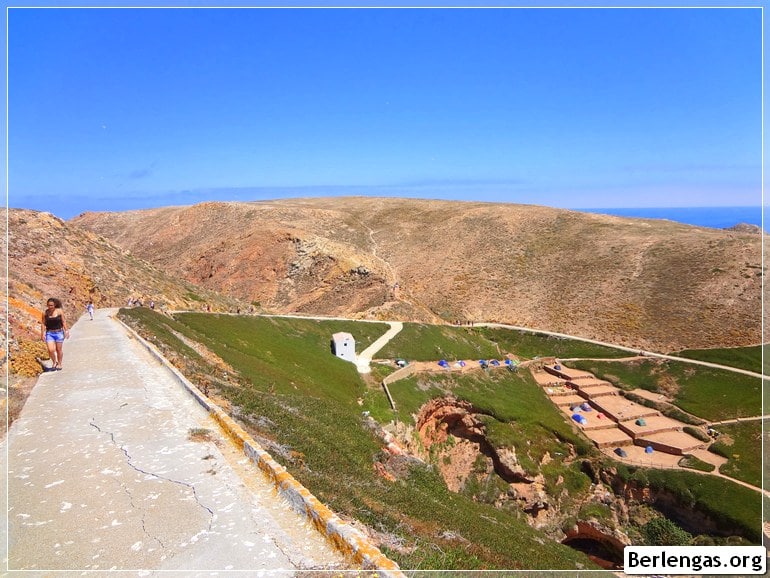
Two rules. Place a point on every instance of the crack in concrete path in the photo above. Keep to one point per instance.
(159, 477)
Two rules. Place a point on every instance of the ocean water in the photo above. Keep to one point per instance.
(714, 217)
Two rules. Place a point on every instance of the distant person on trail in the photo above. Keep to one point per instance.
(90, 309)
(53, 330)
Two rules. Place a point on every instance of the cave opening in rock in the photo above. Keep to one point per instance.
(600, 552)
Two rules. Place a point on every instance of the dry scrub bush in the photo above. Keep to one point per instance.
(24, 361)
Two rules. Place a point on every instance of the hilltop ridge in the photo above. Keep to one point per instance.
(643, 283)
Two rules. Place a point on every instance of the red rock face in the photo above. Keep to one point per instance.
(441, 418)
(441, 415)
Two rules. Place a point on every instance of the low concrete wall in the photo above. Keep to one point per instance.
(345, 538)
(660, 447)
(401, 373)
(639, 434)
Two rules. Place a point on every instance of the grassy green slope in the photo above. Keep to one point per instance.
(418, 342)
(286, 355)
(748, 358)
(530, 345)
(741, 444)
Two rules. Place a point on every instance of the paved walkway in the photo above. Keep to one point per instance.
(364, 359)
(103, 473)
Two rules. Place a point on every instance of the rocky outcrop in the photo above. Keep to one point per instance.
(508, 466)
(443, 418)
(532, 498)
(746, 228)
(441, 415)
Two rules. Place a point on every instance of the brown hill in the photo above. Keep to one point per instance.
(638, 282)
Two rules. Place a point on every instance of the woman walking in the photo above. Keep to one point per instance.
(53, 330)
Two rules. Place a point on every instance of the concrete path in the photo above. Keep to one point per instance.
(364, 358)
(103, 473)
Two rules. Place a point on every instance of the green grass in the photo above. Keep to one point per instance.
(161, 327)
(748, 358)
(743, 450)
(726, 501)
(710, 393)
(601, 512)
(530, 345)
(286, 355)
(418, 342)
(695, 463)
(411, 393)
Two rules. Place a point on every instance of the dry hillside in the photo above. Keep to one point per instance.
(643, 283)
(48, 257)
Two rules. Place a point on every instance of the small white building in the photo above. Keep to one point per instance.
(344, 346)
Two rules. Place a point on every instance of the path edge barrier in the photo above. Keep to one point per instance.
(348, 540)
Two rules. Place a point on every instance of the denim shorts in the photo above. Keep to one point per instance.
(57, 336)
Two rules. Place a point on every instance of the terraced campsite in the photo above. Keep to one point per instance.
(465, 467)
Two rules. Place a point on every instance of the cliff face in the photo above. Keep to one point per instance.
(636, 282)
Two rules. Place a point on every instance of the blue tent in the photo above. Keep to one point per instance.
(648, 450)
(495, 362)
(579, 418)
(443, 363)
(507, 362)
(621, 452)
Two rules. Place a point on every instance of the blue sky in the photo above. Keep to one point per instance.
(114, 109)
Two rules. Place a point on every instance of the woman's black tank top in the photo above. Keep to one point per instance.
(53, 323)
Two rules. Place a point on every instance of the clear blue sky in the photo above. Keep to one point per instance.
(113, 109)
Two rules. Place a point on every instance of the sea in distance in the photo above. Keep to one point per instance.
(714, 217)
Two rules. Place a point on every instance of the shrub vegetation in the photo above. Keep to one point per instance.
(663, 532)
